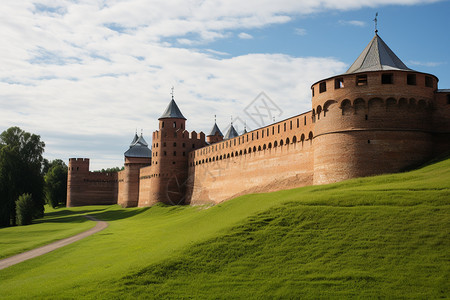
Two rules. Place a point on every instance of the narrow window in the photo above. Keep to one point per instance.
(184, 145)
(411, 79)
(361, 80)
(164, 144)
(428, 81)
(312, 89)
(193, 146)
(257, 135)
(338, 83)
(184, 153)
(174, 144)
(298, 123)
(387, 78)
(162, 125)
(304, 121)
(284, 126)
(322, 87)
(290, 125)
(165, 153)
(174, 124)
(448, 98)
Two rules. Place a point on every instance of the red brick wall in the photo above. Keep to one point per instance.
(89, 188)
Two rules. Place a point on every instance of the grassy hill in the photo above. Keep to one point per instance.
(384, 236)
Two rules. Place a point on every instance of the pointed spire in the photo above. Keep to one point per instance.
(215, 130)
(231, 133)
(138, 147)
(134, 139)
(377, 56)
(172, 111)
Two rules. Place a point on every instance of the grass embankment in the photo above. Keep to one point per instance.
(383, 236)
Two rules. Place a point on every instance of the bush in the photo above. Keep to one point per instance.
(24, 209)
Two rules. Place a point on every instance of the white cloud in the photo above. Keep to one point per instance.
(426, 63)
(300, 31)
(85, 74)
(353, 23)
(245, 36)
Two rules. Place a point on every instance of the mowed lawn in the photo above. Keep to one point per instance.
(384, 236)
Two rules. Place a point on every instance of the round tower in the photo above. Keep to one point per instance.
(373, 119)
(215, 135)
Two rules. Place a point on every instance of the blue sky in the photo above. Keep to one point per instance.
(86, 74)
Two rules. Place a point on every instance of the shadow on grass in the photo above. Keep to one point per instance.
(113, 215)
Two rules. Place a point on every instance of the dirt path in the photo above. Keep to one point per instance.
(4, 263)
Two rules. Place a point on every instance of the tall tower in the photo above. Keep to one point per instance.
(373, 119)
(215, 135)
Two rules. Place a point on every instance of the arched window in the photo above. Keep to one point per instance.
(259, 148)
(281, 142)
(264, 147)
(310, 136)
(270, 145)
(174, 124)
(275, 144)
(287, 141)
(254, 148)
(294, 139)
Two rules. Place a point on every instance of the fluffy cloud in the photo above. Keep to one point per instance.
(86, 74)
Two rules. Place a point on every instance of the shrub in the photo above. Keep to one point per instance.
(24, 209)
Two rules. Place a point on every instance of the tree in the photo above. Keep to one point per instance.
(20, 172)
(24, 209)
(56, 183)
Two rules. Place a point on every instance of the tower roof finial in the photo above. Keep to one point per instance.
(172, 91)
(376, 23)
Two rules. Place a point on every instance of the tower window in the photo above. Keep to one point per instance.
(387, 78)
(338, 83)
(165, 153)
(174, 124)
(448, 98)
(174, 153)
(184, 145)
(411, 79)
(322, 87)
(162, 125)
(428, 81)
(312, 89)
(361, 80)
(174, 144)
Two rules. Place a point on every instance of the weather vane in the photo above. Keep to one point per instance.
(376, 22)
(172, 92)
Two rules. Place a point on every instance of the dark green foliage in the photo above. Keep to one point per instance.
(56, 183)
(24, 209)
(110, 170)
(20, 172)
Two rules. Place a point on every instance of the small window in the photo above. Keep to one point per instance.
(361, 80)
(162, 125)
(322, 87)
(193, 146)
(184, 145)
(428, 81)
(184, 153)
(174, 153)
(174, 124)
(448, 98)
(165, 153)
(411, 79)
(174, 144)
(387, 78)
(338, 83)
(312, 89)
(164, 144)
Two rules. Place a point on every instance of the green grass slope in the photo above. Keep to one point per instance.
(384, 236)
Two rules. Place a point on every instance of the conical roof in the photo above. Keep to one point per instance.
(135, 139)
(231, 133)
(139, 148)
(215, 130)
(172, 111)
(377, 56)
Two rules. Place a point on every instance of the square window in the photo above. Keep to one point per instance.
(387, 78)
(428, 81)
(361, 80)
(322, 87)
(411, 79)
(338, 83)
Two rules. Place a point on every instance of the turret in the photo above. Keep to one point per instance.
(215, 135)
(136, 157)
(373, 119)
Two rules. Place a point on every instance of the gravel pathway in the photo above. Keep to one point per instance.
(4, 263)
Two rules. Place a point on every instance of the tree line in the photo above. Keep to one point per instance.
(27, 179)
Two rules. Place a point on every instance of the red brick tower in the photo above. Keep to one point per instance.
(136, 157)
(375, 118)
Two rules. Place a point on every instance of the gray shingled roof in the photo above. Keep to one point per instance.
(214, 130)
(138, 148)
(172, 111)
(377, 56)
(231, 133)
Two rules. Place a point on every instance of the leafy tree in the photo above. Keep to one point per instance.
(24, 209)
(56, 183)
(20, 172)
